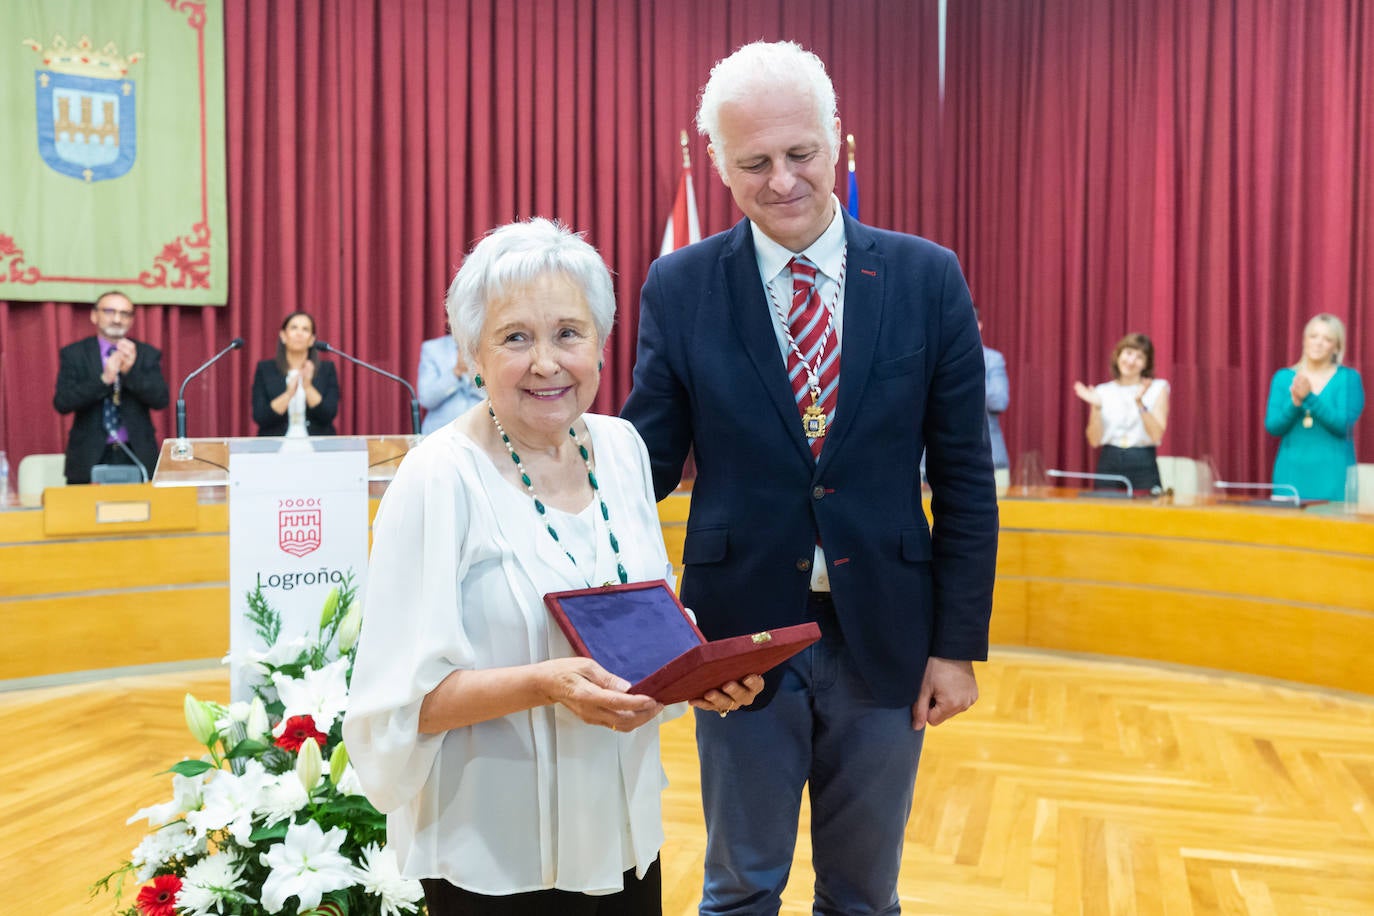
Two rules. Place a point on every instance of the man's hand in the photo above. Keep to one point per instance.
(947, 689)
(120, 360)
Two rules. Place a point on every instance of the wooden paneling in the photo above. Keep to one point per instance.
(78, 565)
(113, 630)
(89, 510)
(1270, 592)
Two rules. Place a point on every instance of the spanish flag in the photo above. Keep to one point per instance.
(683, 228)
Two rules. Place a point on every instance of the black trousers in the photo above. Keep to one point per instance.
(641, 897)
(1139, 465)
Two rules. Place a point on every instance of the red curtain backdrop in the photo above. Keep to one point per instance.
(371, 142)
(1195, 171)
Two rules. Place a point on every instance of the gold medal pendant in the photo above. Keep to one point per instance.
(1307, 422)
(813, 419)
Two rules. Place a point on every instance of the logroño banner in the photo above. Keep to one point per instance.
(112, 150)
(297, 528)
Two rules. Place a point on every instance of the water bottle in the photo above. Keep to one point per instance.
(4, 479)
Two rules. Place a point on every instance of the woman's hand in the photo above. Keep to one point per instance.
(596, 696)
(1087, 394)
(728, 697)
(1300, 389)
(307, 373)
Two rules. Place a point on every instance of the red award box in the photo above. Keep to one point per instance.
(641, 632)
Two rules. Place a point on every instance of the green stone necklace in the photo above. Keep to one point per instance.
(543, 512)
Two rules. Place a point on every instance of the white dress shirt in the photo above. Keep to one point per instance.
(1122, 424)
(828, 254)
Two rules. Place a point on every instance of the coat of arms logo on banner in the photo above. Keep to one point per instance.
(85, 109)
(299, 526)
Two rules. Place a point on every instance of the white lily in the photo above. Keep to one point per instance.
(307, 865)
(229, 802)
(186, 796)
(321, 694)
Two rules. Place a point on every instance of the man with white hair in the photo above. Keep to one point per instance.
(807, 360)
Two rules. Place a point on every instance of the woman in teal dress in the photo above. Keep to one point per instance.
(1313, 406)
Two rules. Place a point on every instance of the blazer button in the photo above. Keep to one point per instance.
(803, 565)
(818, 493)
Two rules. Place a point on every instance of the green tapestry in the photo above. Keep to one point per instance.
(112, 150)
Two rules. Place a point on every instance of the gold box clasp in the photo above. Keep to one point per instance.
(761, 638)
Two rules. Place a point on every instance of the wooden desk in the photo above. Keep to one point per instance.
(1280, 593)
(1274, 592)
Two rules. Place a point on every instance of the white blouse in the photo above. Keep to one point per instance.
(1122, 424)
(460, 563)
(295, 409)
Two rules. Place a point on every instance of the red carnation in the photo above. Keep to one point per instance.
(297, 730)
(160, 897)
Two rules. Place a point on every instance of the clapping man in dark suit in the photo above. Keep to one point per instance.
(807, 360)
(110, 382)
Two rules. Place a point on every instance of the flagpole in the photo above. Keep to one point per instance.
(852, 204)
(686, 154)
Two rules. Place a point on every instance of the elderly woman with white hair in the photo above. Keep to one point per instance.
(1313, 406)
(517, 777)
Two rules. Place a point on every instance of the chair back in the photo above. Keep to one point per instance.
(1178, 474)
(37, 473)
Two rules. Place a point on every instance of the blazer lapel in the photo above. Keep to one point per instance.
(93, 360)
(749, 311)
(865, 282)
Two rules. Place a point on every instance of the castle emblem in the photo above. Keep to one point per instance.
(85, 109)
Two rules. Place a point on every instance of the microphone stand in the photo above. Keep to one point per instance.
(181, 448)
(414, 399)
(1281, 498)
(142, 470)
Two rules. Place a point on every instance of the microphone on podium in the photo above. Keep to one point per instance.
(181, 449)
(414, 399)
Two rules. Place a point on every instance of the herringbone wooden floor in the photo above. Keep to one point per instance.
(1074, 786)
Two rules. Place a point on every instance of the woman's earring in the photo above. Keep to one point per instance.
(599, 364)
(477, 380)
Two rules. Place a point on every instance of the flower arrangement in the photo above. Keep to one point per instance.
(271, 819)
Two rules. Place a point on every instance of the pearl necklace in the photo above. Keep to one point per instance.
(543, 511)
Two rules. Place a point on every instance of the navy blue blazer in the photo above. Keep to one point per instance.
(709, 376)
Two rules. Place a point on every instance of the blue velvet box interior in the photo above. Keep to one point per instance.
(631, 631)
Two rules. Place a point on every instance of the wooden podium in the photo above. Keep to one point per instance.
(208, 463)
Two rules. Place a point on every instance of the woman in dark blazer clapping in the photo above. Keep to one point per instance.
(295, 394)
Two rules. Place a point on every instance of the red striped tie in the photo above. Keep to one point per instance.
(810, 325)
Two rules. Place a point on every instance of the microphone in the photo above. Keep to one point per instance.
(414, 399)
(181, 449)
(1111, 478)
